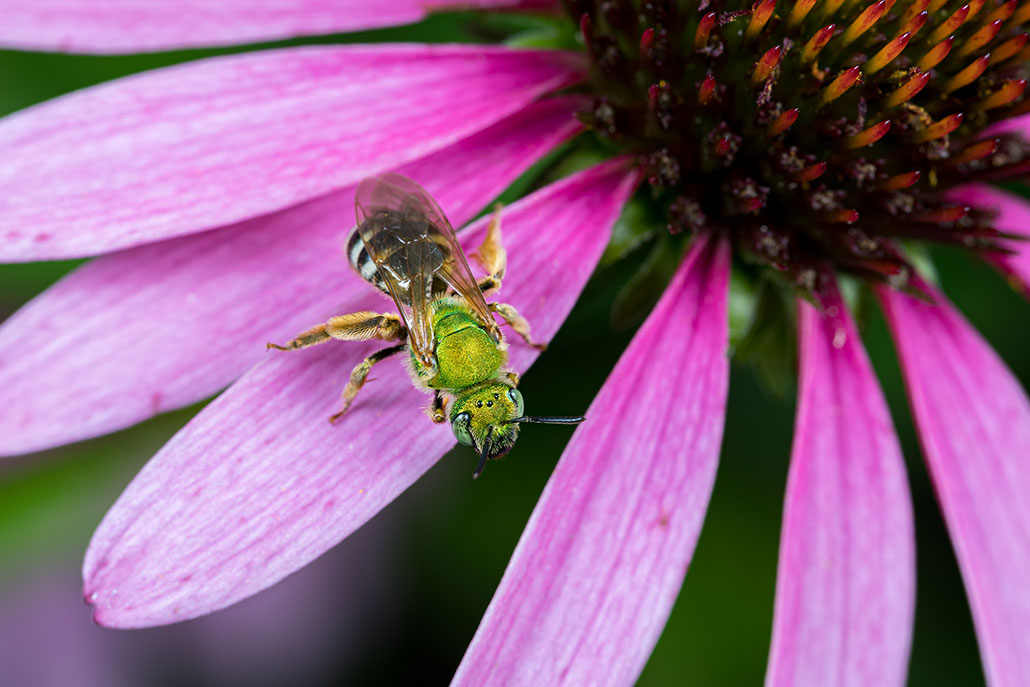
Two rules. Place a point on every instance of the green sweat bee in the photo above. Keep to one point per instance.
(404, 246)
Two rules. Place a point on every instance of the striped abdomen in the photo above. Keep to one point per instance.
(361, 261)
(401, 245)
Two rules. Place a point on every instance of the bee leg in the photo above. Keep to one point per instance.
(360, 373)
(438, 410)
(491, 254)
(489, 284)
(517, 322)
(357, 326)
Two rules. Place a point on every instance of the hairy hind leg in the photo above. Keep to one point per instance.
(357, 326)
(517, 322)
(491, 254)
(359, 374)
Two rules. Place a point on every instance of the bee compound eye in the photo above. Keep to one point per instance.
(516, 397)
(460, 427)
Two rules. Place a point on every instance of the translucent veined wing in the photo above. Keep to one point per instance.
(416, 253)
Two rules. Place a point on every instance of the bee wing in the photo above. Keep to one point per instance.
(455, 270)
(416, 253)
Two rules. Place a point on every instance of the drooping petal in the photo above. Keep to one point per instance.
(1013, 218)
(974, 422)
(167, 324)
(845, 589)
(124, 26)
(207, 143)
(597, 570)
(259, 483)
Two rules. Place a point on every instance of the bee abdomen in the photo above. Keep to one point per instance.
(362, 262)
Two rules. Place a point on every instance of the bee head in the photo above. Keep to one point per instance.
(487, 418)
(483, 418)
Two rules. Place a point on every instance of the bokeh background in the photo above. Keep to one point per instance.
(397, 602)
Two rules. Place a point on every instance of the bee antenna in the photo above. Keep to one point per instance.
(482, 454)
(550, 420)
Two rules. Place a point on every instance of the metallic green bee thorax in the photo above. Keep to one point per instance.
(466, 354)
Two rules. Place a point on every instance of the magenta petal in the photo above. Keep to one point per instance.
(164, 325)
(120, 26)
(974, 422)
(1013, 218)
(598, 568)
(845, 589)
(1020, 125)
(207, 143)
(259, 483)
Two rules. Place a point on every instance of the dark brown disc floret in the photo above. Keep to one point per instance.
(814, 132)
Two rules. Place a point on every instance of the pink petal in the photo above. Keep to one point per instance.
(974, 422)
(207, 143)
(122, 26)
(598, 568)
(1020, 124)
(167, 324)
(1013, 217)
(845, 588)
(259, 483)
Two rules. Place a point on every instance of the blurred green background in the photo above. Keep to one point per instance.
(398, 601)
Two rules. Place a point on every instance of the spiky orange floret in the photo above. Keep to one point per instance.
(814, 132)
